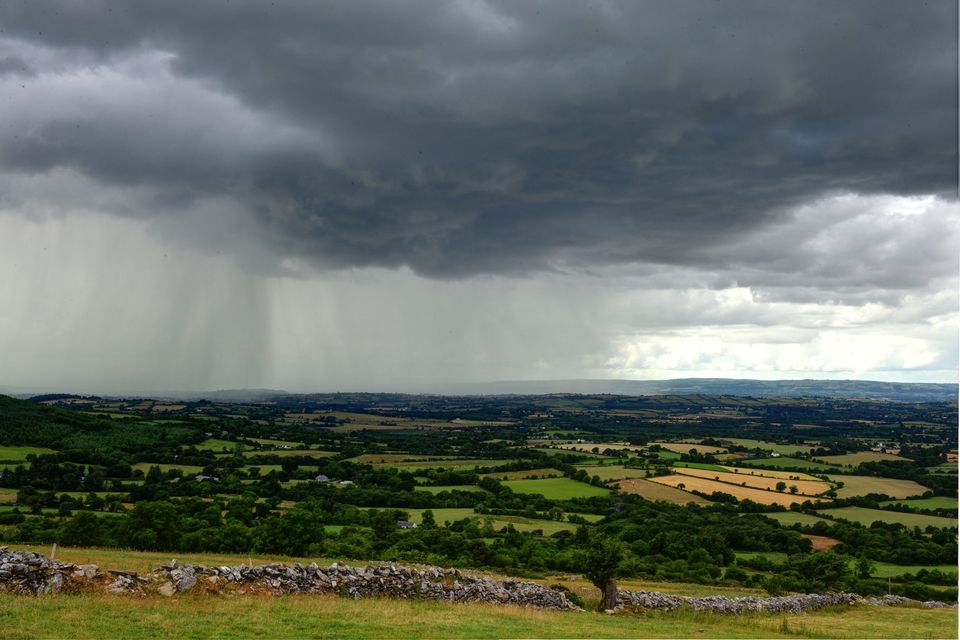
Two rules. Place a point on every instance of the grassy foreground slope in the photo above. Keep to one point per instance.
(102, 616)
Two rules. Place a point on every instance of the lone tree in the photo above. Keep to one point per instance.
(781, 486)
(602, 559)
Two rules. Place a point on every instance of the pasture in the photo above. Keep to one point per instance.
(360, 421)
(783, 449)
(866, 517)
(769, 473)
(388, 459)
(186, 469)
(291, 453)
(887, 570)
(523, 475)
(804, 487)
(461, 464)
(326, 616)
(8, 496)
(855, 459)
(588, 447)
(864, 485)
(936, 502)
(699, 465)
(686, 447)
(556, 488)
(217, 445)
(566, 452)
(607, 472)
(655, 491)
(789, 518)
(708, 486)
(787, 463)
(451, 487)
(19, 454)
(269, 442)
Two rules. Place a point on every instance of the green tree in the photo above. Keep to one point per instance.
(83, 530)
(427, 520)
(602, 559)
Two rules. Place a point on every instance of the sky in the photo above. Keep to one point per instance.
(381, 195)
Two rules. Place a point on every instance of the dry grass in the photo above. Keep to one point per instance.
(708, 486)
(820, 543)
(804, 487)
(655, 491)
(855, 459)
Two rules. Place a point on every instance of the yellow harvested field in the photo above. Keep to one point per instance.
(770, 473)
(855, 459)
(655, 491)
(804, 487)
(708, 486)
(686, 447)
(862, 485)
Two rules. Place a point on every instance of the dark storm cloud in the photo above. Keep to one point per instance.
(461, 138)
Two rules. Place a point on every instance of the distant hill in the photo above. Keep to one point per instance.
(897, 391)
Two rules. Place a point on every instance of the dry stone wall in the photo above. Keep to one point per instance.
(777, 604)
(27, 572)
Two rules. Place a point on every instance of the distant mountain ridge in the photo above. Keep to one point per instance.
(863, 389)
(854, 389)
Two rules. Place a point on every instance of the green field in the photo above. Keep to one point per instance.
(867, 517)
(784, 449)
(787, 463)
(311, 616)
(451, 487)
(936, 502)
(274, 443)
(609, 472)
(700, 465)
(773, 556)
(266, 468)
(567, 452)
(544, 472)
(291, 453)
(7, 496)
(214, 444)
(556, 488)
(887, 570)
(788, 518)
(667, 455)
(187, 469)
(19, 454)
(863, 485)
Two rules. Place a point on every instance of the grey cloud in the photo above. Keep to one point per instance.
(514, 137)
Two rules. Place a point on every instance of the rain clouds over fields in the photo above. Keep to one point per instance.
(392, 195)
